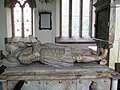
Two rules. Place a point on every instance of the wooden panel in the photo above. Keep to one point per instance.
(117, 67)
(102, 30)
(102, 27)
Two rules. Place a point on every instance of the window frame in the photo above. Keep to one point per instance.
(70, 38)
(22, 24)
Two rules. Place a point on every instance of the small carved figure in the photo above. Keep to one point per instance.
(93, 86)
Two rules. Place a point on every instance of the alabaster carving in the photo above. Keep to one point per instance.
(51, 54)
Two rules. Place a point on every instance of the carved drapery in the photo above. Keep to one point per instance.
(11, 3)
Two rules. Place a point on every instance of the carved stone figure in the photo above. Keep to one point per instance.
(51, 54)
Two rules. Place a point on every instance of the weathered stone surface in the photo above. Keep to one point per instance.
(77, 77)
(38, 71)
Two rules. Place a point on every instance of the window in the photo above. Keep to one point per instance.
(21, 17)
(76, 21)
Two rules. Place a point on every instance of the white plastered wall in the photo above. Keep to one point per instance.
(114, 52)
(3, 24)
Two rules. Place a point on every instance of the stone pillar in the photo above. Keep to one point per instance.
(114, 84)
